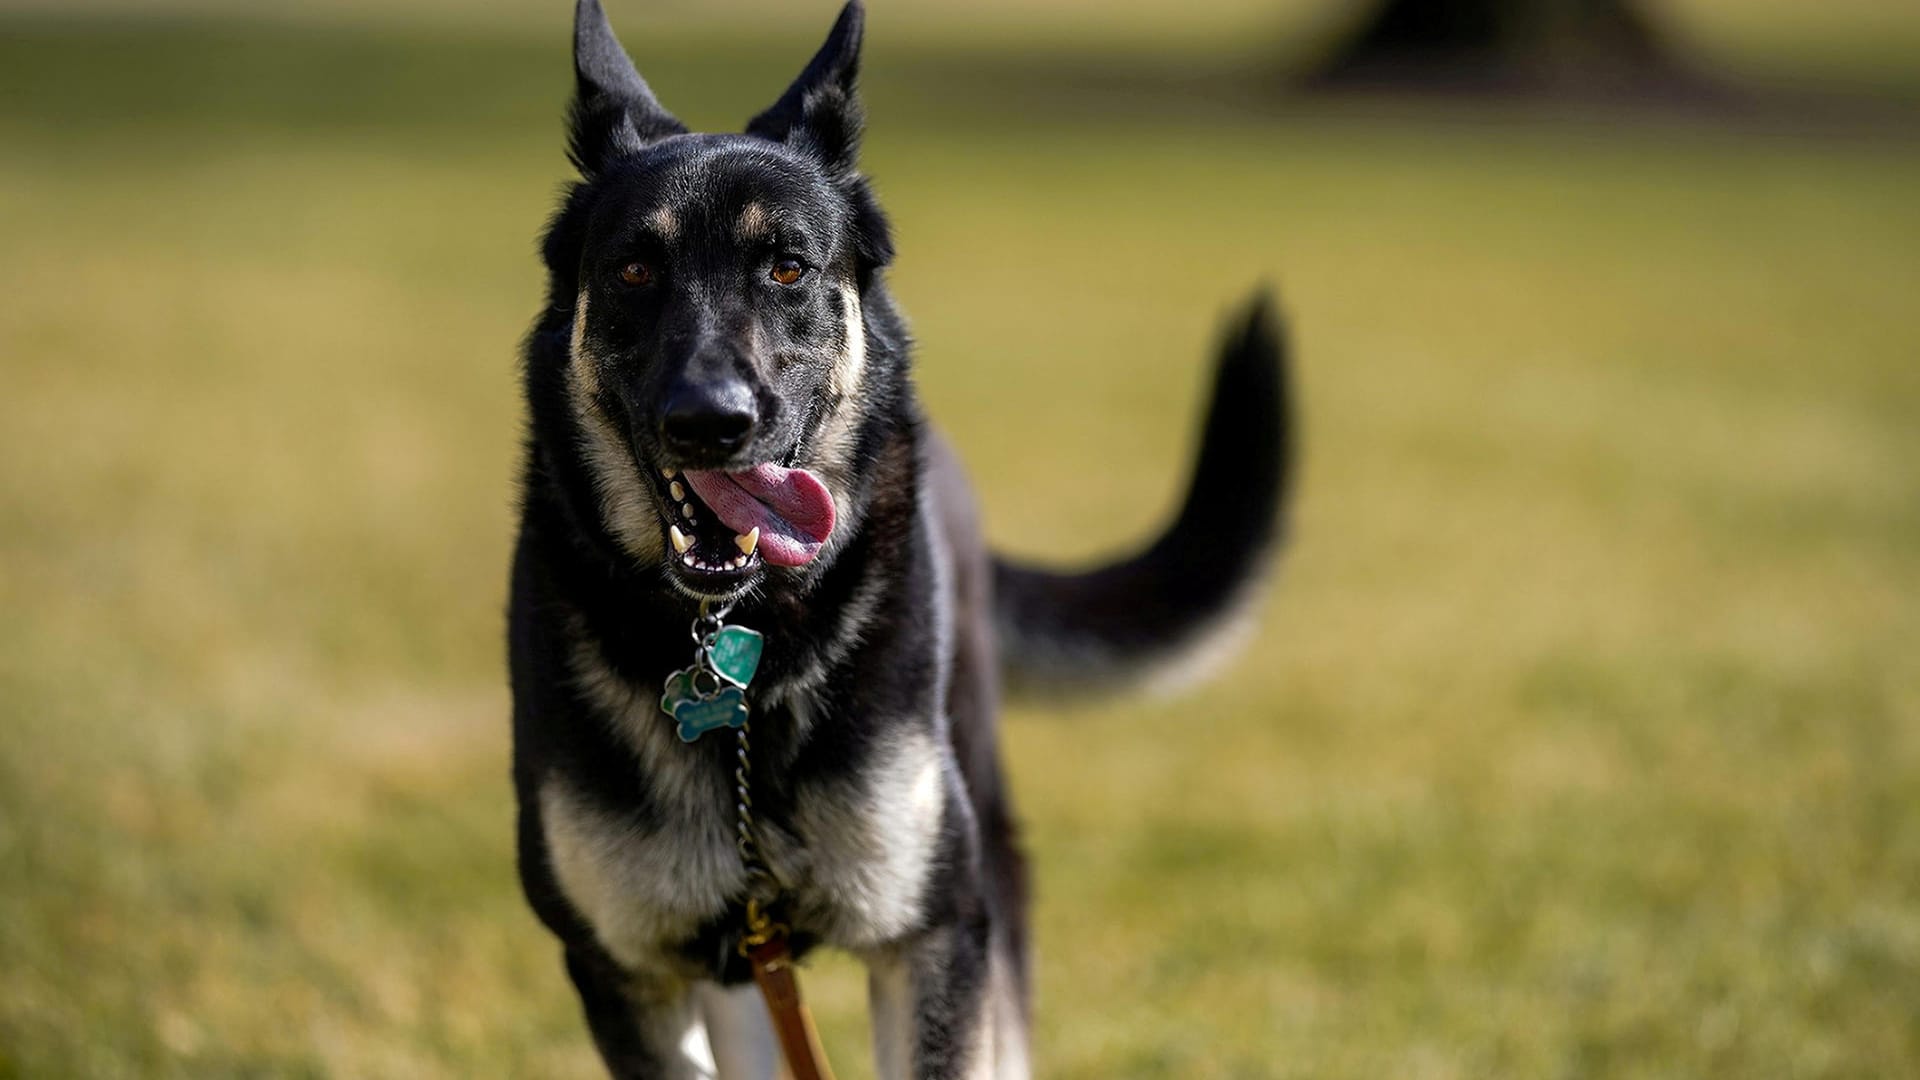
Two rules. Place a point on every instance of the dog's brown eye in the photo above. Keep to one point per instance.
(636, 274)
(788, 271)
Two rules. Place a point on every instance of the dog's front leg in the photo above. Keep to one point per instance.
(740, 1032)
(928, 996)
(645, 1028)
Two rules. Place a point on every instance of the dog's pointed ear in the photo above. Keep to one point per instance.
(820, 113)
(614, 111)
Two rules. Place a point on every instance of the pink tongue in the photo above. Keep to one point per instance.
(790, 507)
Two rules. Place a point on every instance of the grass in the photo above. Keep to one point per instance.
(1579, 739)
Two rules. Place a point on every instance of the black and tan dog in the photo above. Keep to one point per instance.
(722, 412)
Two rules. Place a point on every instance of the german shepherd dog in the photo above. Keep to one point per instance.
(722, 414)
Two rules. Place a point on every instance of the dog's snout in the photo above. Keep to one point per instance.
(709, 417)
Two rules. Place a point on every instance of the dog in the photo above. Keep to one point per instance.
(722, 420)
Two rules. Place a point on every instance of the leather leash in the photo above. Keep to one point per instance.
(765, 947)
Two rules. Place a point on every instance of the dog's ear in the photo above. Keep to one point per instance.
(820, 113)
(614, 112)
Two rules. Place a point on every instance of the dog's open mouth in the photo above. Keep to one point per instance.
(721, 526)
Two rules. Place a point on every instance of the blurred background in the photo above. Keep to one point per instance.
(1581, 734)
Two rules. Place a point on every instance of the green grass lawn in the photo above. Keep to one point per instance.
(1581, 735)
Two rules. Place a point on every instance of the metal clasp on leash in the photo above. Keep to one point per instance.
(761, 929)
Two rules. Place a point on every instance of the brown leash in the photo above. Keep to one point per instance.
(772, 971)
(765, 947)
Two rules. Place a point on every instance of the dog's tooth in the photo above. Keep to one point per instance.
(686, 511)
(678, 491)
(668, 473)
(739, 561)
(688, 558)
(747, 543)
(681, 541)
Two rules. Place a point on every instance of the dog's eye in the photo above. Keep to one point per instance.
(636, 274)
(787, 271)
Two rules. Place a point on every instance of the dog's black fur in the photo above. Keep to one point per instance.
(670, 342)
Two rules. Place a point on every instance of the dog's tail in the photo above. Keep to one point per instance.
(1153, 615)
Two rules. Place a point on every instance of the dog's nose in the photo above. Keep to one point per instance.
(709, 416)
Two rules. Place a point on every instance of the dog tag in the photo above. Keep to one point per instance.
(735, 654)
(679, 688)
(697, 716)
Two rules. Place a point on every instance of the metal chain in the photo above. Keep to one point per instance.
(758, 872)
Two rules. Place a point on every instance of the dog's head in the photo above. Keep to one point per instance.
(716, 284)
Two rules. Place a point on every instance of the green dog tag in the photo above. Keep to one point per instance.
(679, 689)
(735, 654)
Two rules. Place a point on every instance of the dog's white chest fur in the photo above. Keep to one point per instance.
(639, 888)
(861, 850)
(855, 858)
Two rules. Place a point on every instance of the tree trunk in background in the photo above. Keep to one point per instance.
(1600, 48)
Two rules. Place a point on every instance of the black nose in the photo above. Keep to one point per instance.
(708, 416)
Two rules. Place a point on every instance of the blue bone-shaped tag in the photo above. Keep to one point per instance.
(697, 716)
